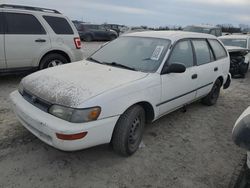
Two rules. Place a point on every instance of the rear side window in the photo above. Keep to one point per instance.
(218, 49)
(17, 23)
(1, 23)
(182, 53)
(202, 52)
(59, 25)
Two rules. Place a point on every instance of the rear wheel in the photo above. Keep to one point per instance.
(128, 131)
(112, 37)
(88, 38)
(214, 94)
(52, 60)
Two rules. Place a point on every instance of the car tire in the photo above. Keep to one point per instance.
(88, 38)
(112, 37)
(52, 60)
(213, 95)
(128, 131)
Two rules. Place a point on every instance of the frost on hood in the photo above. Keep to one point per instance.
(72, 84)
(55, 91)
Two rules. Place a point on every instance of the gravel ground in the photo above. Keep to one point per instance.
(191, 149)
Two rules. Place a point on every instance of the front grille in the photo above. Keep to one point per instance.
(36, 101)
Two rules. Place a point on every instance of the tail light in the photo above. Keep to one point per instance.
(78, 43)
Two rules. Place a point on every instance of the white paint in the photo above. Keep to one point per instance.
(86, 84)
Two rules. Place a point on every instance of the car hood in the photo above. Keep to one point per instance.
(72, 84)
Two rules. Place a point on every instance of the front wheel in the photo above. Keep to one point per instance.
(128, 131)
(213, 95)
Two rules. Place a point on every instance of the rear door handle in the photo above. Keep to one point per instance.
(215, 69)
(40, 40)
(194, 76)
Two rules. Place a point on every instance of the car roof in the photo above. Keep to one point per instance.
(204, 26)
(171, 35)
(235, 37)
(29, 9)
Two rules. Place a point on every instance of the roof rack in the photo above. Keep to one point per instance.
(29, 8)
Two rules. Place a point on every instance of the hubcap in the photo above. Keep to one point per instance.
(134, 134)
(55, 63)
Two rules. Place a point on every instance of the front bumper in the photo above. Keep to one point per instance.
(45, 126)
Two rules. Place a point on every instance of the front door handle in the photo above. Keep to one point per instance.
(194, 76)
(40, 40)
(215, 69)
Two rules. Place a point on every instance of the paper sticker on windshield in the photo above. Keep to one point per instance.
(157, 53)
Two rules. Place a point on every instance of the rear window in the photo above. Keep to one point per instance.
(1, 23)
(59, 25)
(218, 49)
(18, 23)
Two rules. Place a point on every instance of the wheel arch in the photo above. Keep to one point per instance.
(148, 108)
(221, 79)
(55, 52)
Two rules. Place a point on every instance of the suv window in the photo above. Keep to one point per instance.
(202, 52)
(182, 53)
(218, 49)
(18, 23)
(1, 23)
(59, 25)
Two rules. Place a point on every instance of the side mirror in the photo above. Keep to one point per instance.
(174, 68)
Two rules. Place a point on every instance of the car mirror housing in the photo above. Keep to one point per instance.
(174, 68)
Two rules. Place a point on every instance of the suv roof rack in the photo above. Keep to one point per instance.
(29, 8)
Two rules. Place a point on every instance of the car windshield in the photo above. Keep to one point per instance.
(235, 42)
(135, 53)
(197, 29)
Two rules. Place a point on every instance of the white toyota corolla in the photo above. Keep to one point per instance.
(132, 80)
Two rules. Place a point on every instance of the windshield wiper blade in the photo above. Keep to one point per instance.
(119, 65)
(94, 60)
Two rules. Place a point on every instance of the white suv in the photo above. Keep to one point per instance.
(36, 38)
(108, 97)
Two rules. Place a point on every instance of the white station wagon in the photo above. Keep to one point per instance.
(132, 80)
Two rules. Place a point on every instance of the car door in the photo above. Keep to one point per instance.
(25, 38)
(179, 88)
(206, 66)
(2, 53)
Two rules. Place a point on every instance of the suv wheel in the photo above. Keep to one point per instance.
(214, 94)
(128, 131)
(88, 38)
(112, 37)
(52, 60)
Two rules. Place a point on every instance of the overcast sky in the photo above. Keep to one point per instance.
(150, 12)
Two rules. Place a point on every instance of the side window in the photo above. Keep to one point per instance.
(202, 52)
(249, 43)
(212, 32)
(218, 49)
(17, 23)
(182, 53)
(218, 32)
(59, 25)
(1, 23)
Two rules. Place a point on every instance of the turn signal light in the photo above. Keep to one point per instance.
(71, 136)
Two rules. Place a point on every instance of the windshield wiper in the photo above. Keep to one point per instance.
(119, 65)
(94, 60)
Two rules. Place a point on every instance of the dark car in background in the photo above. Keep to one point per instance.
(213, 30)
(115, 27)
(90, 32)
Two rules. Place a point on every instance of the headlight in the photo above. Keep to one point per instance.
(75, 115)
(20, 88)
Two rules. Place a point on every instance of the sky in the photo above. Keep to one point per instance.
(152, 13)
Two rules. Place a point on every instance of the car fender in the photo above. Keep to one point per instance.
(116, 101)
